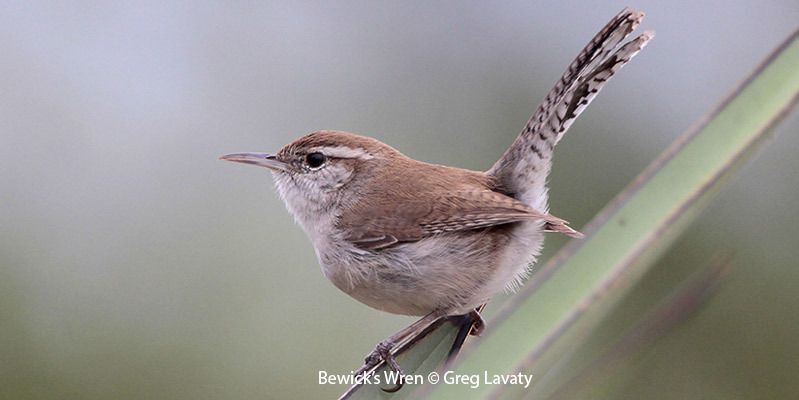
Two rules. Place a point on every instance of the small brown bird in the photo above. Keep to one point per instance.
(413, 238)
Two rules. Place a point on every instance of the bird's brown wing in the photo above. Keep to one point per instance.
(376, 228)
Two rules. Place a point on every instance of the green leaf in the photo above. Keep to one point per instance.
(594, 366)
(571, 293)
(574, 290)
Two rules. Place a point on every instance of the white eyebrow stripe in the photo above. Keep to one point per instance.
(343, 152)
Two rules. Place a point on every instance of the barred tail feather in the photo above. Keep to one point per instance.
(589, 86)
(523, 169)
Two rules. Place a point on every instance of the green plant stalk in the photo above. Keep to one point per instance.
(678, 307)
(642, 218)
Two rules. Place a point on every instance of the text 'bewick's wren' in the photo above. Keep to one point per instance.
(413, 238)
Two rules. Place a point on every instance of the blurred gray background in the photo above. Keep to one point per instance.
(133, 264)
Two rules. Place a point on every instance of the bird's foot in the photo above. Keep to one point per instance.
(387, 350)
(383, 352)
(478, 323)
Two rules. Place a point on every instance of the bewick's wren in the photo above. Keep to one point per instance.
(413, 238)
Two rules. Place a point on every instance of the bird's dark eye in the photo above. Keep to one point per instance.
(315, 160)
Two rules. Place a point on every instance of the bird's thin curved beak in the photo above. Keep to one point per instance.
(259, 159)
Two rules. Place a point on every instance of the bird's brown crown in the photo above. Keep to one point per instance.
(333, 139)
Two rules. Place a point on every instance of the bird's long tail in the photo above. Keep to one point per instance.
(522, 171)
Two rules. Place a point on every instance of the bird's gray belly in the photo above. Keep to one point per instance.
(447, 272)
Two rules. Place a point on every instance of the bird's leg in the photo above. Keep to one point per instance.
(385, 351)
(470, 323)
